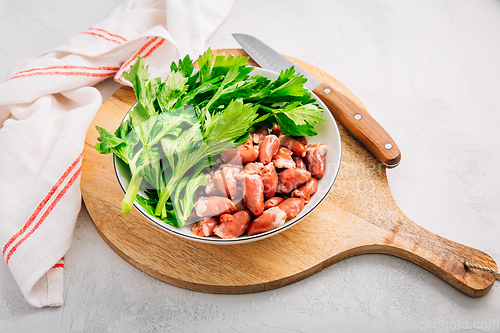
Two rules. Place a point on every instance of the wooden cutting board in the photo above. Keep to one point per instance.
(358, 216)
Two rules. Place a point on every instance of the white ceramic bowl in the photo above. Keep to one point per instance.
(328, 133)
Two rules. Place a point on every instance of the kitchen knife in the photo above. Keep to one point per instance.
(359, 122)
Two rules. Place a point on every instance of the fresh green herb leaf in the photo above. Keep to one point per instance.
(183, 197)
(232, 123)
(303, 114)
(108, 143)
(178, 125)
(205, 64)
(138, 76)
(174, 87)
(290, 128)
(148, 205)
(145, 90)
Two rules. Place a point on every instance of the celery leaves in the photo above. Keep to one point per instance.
(179, 125)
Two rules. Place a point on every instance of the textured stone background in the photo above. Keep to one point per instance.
(428, 71)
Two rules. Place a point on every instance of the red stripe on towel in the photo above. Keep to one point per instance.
(42, 203)
(103, 68)
(109, 33)
(145, 46)
(100, 35)
(45, 214)
(154, 48)
(64, 74)
(60, 263)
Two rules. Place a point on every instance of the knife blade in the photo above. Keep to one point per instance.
(356, 119)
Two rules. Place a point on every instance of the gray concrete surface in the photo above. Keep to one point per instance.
(429, 71)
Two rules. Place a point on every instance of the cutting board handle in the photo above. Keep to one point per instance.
(438, 255)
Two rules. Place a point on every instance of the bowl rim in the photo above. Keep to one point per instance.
(237, 240)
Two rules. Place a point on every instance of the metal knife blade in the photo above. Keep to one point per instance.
(355, 118)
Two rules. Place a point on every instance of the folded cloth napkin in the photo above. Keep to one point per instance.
(53, 101)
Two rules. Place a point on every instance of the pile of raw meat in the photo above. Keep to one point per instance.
(262, 184)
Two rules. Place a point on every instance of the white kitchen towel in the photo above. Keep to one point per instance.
(53, 101)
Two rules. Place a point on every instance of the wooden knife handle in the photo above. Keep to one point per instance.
(361, 124)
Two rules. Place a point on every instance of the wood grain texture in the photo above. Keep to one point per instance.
(360, 124)
(358, 216)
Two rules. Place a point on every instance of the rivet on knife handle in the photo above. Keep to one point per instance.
(361, 124)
